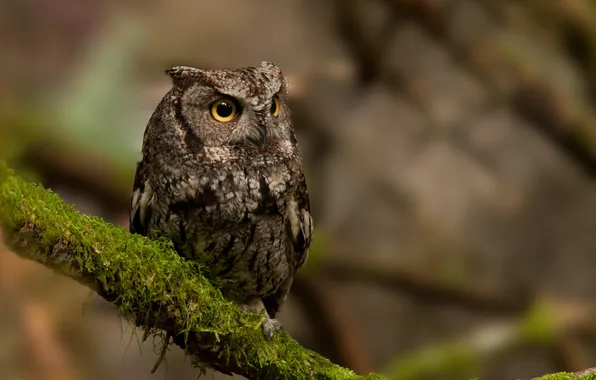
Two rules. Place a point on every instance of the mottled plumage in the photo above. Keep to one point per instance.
(230, 189)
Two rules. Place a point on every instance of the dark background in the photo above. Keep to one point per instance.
(450, 150)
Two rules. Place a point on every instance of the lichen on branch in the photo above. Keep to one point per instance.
(155, 288)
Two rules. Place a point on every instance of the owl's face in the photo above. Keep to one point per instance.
(227, 107)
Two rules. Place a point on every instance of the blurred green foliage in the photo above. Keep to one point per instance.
(95, 111)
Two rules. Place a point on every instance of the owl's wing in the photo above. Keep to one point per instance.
(141, 201)
(301, 229)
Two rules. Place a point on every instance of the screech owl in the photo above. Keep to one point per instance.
(221, 176)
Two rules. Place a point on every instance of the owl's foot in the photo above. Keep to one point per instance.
(271, 325)
(253, 304)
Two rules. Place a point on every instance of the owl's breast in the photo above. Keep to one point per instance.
(233, 191)
(253, 254)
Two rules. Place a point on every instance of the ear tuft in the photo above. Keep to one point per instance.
(270, 66)
(183, 75)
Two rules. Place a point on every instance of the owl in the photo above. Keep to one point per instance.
(221, 176)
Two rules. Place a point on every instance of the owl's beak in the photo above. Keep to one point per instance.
(262, 139)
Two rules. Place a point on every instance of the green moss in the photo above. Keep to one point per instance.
(566, 376)
(145, 278)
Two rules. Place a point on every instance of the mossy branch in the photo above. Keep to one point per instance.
(154, 287)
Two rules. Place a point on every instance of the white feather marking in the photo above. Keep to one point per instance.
(134, 203)
(292, 215)
(145, 202)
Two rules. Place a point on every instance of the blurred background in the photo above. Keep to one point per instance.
(450, 151)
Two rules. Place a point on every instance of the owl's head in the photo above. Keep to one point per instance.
(225, 107)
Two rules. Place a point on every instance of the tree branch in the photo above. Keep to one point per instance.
(154, 287)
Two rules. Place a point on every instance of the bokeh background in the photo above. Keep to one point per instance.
(450, 149)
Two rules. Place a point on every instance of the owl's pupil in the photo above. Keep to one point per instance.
(273, 106)
(224, 109)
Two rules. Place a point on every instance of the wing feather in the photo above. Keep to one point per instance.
(300, 224)
(141, 201)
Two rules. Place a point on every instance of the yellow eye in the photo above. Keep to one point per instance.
(275, 106)
(224, 110)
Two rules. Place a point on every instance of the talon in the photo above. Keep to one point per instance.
(271, 325)
(255, 305)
